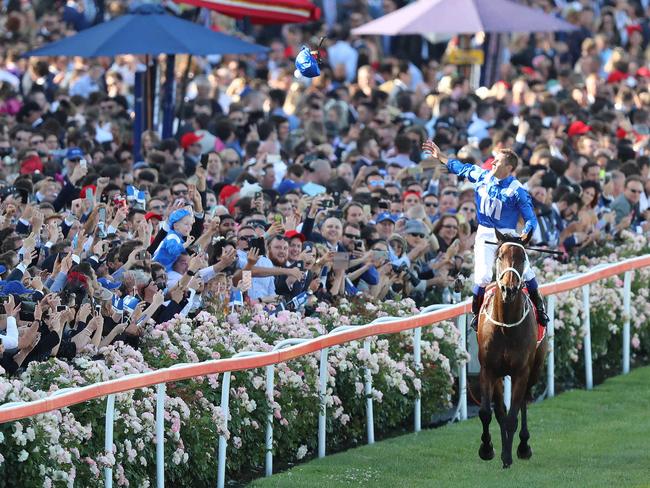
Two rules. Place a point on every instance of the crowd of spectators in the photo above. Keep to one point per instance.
(289, 191)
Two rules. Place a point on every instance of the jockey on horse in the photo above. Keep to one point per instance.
(500, 201)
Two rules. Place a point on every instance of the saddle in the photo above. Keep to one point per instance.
(489, 295)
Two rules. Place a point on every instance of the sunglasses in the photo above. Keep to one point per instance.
(454, 193)
(180, 192)
(634, 191)
(351, 236)
(421, 236)
(434, 205)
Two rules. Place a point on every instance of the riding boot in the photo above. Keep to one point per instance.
(477, 301)
(538, 301)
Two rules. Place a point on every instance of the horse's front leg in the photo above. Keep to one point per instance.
(519, 385)
(500, 409)
(486, 451)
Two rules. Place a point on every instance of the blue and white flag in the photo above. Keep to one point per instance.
(137, 196)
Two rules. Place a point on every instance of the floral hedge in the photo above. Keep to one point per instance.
(66, 448)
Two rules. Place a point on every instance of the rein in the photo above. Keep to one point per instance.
(527, 302)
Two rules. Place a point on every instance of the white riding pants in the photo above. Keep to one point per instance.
(485, 256)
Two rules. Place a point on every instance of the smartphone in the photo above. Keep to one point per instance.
(358, 245)
(60, 308)
(327, 203)
(247, 279)
(366, 210)
(414, 170)
(141, 255)
(83, 163)
(341, 260)
(90, 199)
(258, 194)
(277, 219)
(98, 308)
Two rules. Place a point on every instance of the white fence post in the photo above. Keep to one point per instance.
(270, 385)
(223, 443)
(322, 393)
(627, 296)
(586, 344)
(417, 359)
(550, 339)
(269, 420)
(160, 435)
(462, 373)
(370, 417)
(108, 438)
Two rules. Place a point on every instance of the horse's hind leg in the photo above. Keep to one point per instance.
(523, 450)
(486, 451)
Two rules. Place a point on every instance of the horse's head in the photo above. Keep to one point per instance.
(511, 263)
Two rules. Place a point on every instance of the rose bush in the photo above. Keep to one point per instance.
(66, 447)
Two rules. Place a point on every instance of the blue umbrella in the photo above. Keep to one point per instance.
(147, 30)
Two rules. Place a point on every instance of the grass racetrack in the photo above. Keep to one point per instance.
(580, 439)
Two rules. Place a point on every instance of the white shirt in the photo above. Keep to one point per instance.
(342, 53)
(261, 287)
(10, 339)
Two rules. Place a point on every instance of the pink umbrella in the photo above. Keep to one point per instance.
(463, 17)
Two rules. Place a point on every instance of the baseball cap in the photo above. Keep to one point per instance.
(110, 285)
(415, 227)
(74, 153)
(385, 216)
(190, 138)
(290, 234)
(578, 128)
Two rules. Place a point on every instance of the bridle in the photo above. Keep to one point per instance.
(520, 285)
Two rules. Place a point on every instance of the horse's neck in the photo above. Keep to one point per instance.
(507, 313)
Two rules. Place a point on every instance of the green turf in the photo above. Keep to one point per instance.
(580, 439)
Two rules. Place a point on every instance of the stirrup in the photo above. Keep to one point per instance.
(474, 323)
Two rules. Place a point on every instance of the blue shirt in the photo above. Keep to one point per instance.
(500, 203)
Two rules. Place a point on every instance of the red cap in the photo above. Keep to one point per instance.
(226, 194)
(407, 193)
(153, 215)
(633, 28)
(188, 139)
(31, 165)
(616, 76)
(643, 72)
(290, 234)
(578, 128)
(620, 133)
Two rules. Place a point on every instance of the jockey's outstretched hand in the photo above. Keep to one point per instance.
(524, 237)
(431, 147)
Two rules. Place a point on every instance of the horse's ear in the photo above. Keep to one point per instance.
(527, 238)
(500, 236)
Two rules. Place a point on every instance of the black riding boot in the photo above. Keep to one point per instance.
(477, 301)
(538, 301)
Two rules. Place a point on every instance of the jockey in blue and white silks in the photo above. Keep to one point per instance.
(501, 201)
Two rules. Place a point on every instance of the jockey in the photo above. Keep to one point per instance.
(500, 201)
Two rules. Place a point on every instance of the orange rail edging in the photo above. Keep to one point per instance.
(184, 371)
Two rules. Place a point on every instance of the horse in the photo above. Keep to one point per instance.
(507, 339)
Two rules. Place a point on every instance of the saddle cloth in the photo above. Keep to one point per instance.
(489, 295)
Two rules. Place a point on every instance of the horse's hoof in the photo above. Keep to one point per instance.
(486, 452)
(524, 451)
(507, 465)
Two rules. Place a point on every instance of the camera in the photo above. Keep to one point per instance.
(327, 203)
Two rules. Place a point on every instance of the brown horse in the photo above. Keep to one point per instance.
(507, 338)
